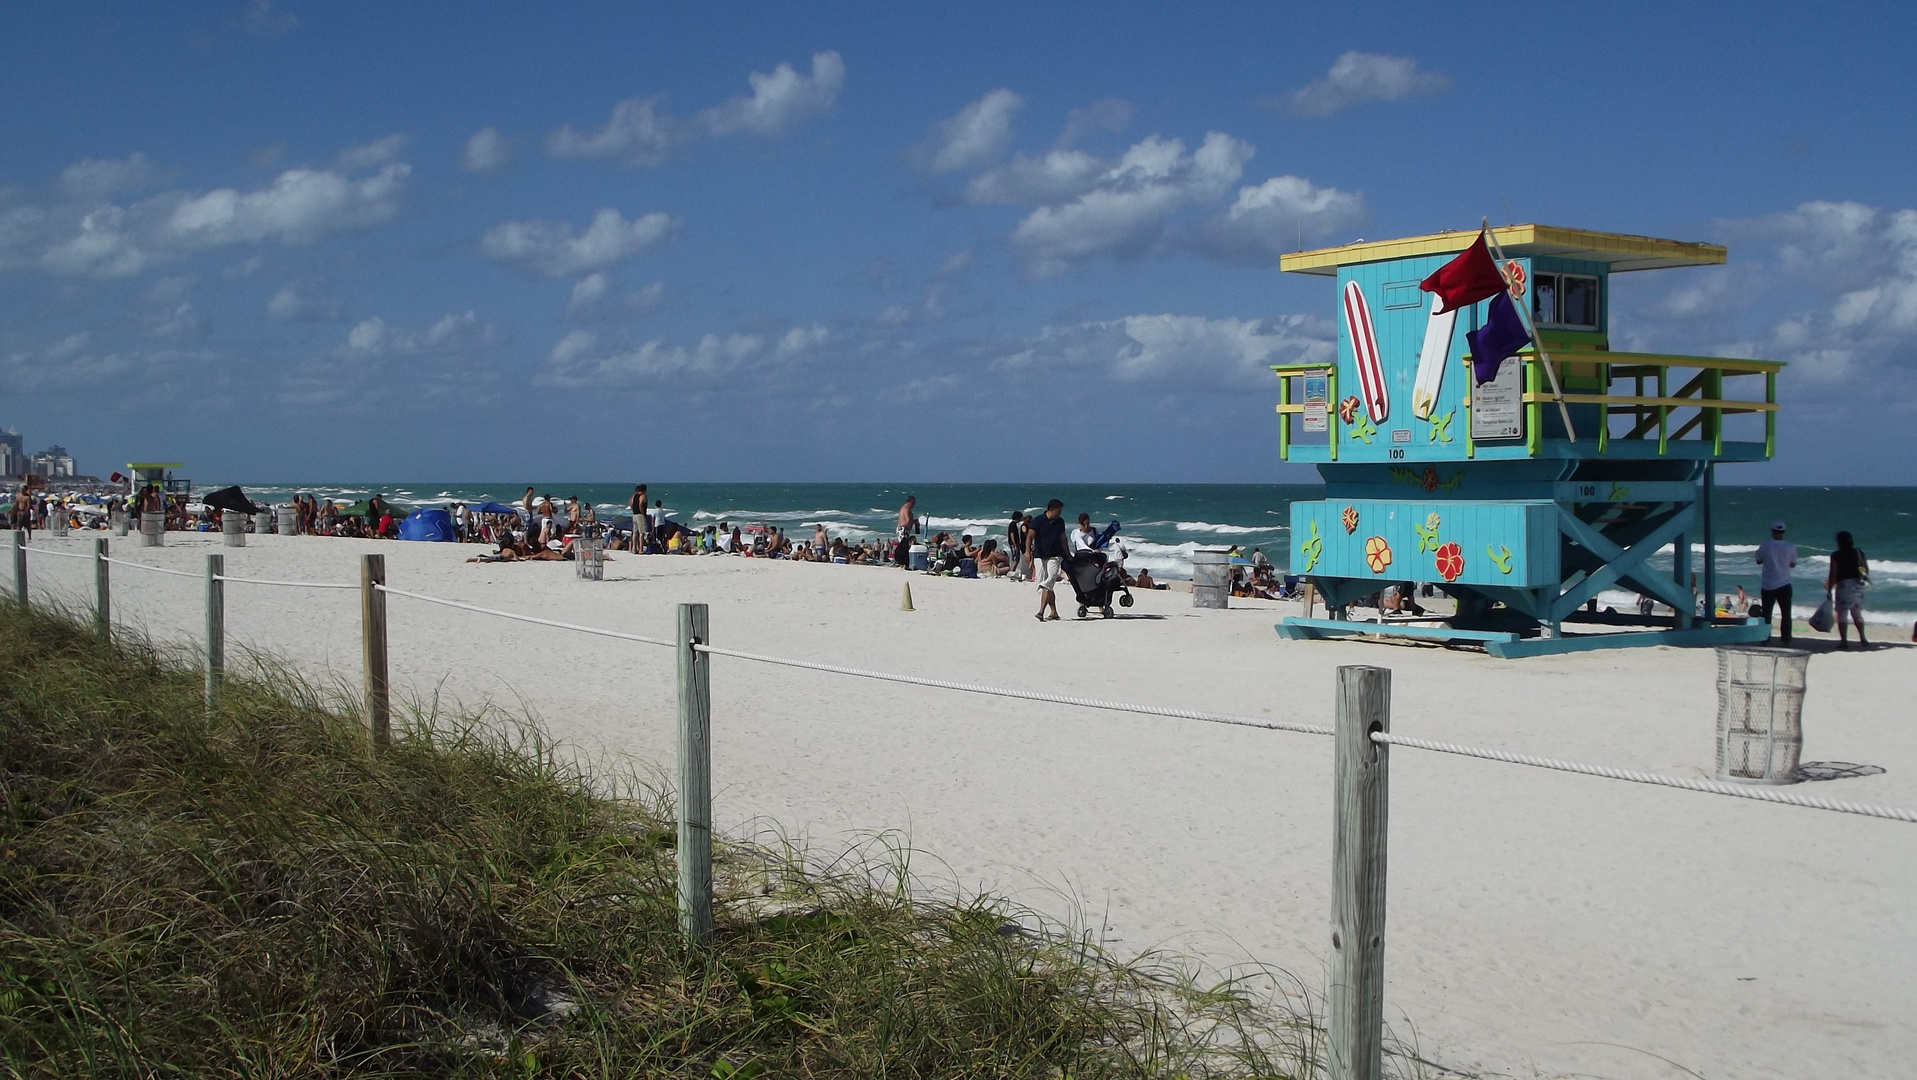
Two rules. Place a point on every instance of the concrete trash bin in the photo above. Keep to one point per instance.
(1211, 578)
(1760, 706)
(289, 520)
(263, 522)
(153, 529)
(233, 528)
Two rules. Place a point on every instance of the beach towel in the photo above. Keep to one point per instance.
(1820, 619)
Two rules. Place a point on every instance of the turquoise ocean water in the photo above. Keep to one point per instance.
(1165, 523)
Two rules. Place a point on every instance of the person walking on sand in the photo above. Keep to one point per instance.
(1849, 577)
(1045, 552)
(1775, 558)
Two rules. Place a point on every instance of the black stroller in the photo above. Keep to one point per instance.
(1094, 580)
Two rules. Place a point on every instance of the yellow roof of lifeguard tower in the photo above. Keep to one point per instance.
(1620, 250)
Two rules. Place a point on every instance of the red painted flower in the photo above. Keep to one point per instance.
(1430, 479)
(1350, 519)
(1348, 409)
(1450, 559)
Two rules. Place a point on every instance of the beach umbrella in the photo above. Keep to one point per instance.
(233, 499)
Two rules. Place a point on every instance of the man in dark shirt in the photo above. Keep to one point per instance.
(1045, 546)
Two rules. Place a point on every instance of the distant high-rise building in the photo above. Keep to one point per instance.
(13, 454)
(54, 463)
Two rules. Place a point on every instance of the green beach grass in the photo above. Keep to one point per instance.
(255, 893)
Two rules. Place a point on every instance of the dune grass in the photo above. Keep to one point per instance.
(255, 893)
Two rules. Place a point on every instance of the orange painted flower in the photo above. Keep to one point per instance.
(1450, 560)
(1350, 518)
(1377, 554)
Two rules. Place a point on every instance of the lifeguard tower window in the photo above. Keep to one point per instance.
(1565, 300)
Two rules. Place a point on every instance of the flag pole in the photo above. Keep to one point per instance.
(1524, 312)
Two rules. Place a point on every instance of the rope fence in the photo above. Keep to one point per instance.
(1635, 776)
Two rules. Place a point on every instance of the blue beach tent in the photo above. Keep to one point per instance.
(429, 525)
(494, 508)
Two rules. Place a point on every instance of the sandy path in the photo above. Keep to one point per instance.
(1540, 923)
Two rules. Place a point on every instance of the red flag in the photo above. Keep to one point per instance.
(1467, 279)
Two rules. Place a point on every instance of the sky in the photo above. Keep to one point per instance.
(287, 241)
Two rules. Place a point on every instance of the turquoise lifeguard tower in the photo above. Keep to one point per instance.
(1526, 496)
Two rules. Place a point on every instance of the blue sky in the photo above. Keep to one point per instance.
(296, 241)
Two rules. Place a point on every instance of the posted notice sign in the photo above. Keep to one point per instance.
(1317, 401)
(1497, 407)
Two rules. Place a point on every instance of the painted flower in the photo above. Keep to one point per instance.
(1348, 409)
(1350, 518)
(1377, 554)
(1430, 479)
(1450, 559)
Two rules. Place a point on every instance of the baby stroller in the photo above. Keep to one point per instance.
(1094, 580)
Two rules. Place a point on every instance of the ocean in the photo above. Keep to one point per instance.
(1165, 523)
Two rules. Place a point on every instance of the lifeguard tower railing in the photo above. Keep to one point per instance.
(1673, 406)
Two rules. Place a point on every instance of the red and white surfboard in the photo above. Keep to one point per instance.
(1364, 346)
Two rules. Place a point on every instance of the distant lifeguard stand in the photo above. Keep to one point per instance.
(146, 474)
(1484, 489)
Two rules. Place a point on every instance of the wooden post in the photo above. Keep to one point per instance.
(215, 628)
(20, 567)
(1355, 989)
(102, 594)
(695, 777)
(372, 629)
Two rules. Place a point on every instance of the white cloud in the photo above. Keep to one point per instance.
(549, 248)
(973, 137)
(486, 151)
(1109, 114)
(1830, 287)
(262, 20)
(1358, 77)
(1124, 214)
(450, 334)
(71, 364)
(1277, 216)
(780, 100)
(303, 301)
(373, 154)
(581, 360)
(1052, 177)
(88, 239)
(593, 295)
(1185, 351)
(637, 134)
(90, 178)
(640, 133)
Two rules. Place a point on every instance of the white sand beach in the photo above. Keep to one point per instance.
(1540, 923)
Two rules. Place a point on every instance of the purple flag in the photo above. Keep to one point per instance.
(1499, 339)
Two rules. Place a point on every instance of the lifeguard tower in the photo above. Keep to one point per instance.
(1527, 496)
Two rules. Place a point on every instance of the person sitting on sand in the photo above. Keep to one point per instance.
(1143, 580)
(991, 561)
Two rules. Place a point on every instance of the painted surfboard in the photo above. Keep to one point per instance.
(1364, 346)
(1432, 361)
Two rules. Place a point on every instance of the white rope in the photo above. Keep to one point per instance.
(62, 554)
(525, 618)
(1712, 787)
(155, 569)
(287, 584)
(1024, 695)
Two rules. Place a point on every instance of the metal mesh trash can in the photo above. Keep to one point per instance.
(1210, 579)
(1760, 705)
(589, 558)
(56, 519)
(117, 519)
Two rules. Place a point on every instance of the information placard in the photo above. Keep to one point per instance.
(1317, 401)
(1497, 407)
